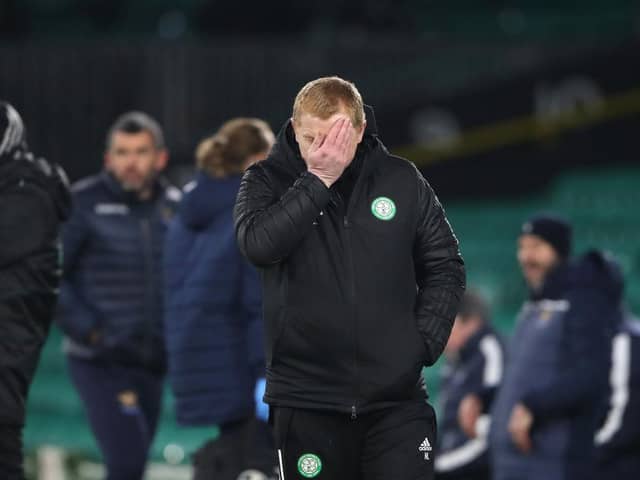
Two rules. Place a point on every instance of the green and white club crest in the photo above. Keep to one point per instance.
(383, 208)
(309, 465)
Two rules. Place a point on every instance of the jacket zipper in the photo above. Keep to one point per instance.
(342, 209)
(352, 298)
(147, 246)
(352, 283)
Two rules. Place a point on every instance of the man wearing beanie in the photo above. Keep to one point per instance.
(546, 412)
(34, 200)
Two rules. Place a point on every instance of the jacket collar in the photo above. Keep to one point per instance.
(208, 198)
(555, 285)
(115, 187)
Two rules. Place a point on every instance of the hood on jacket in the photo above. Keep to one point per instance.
(18, 163)
(593, 270)
(58, 187)
(207, 197)
(597, 269)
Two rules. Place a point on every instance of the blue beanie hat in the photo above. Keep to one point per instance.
(554, 229)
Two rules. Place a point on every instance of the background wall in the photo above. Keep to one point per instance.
(507, 107)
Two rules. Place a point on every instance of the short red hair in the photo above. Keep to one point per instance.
(325, 96)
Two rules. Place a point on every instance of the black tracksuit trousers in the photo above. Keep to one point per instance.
(394, 443)
(11, 453)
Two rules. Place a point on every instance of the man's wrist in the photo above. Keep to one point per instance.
(327, 182)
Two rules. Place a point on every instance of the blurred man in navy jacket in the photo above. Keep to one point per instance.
(474, 364)
(547, 410)
(111, 299)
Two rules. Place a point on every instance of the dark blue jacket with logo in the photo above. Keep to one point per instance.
(478, 366)
(618, 439)
(558, 367)
(113, 272)
(213, 303)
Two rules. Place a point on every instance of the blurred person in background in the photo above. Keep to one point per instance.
(547, 409)
(34, 201)
(618, 439)
(111, 298)
(474, 364)
(362, 278)
(213, 317)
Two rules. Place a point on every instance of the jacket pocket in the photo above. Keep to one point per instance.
(391, 357)
(551, 439)
(424, 355)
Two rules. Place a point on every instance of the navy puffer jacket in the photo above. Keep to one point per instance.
(558, 367)
(212, 309)
(113, 272)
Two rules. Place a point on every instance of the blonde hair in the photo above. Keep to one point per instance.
(325, 96)
(227, 151)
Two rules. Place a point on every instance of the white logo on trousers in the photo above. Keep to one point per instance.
(425, 447)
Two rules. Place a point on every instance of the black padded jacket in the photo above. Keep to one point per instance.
(34, 201)
(360, 294)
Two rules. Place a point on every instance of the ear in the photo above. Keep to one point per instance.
(162, 159)
(106, 159)
(360, 131)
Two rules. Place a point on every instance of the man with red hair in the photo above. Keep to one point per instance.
(362, 278)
